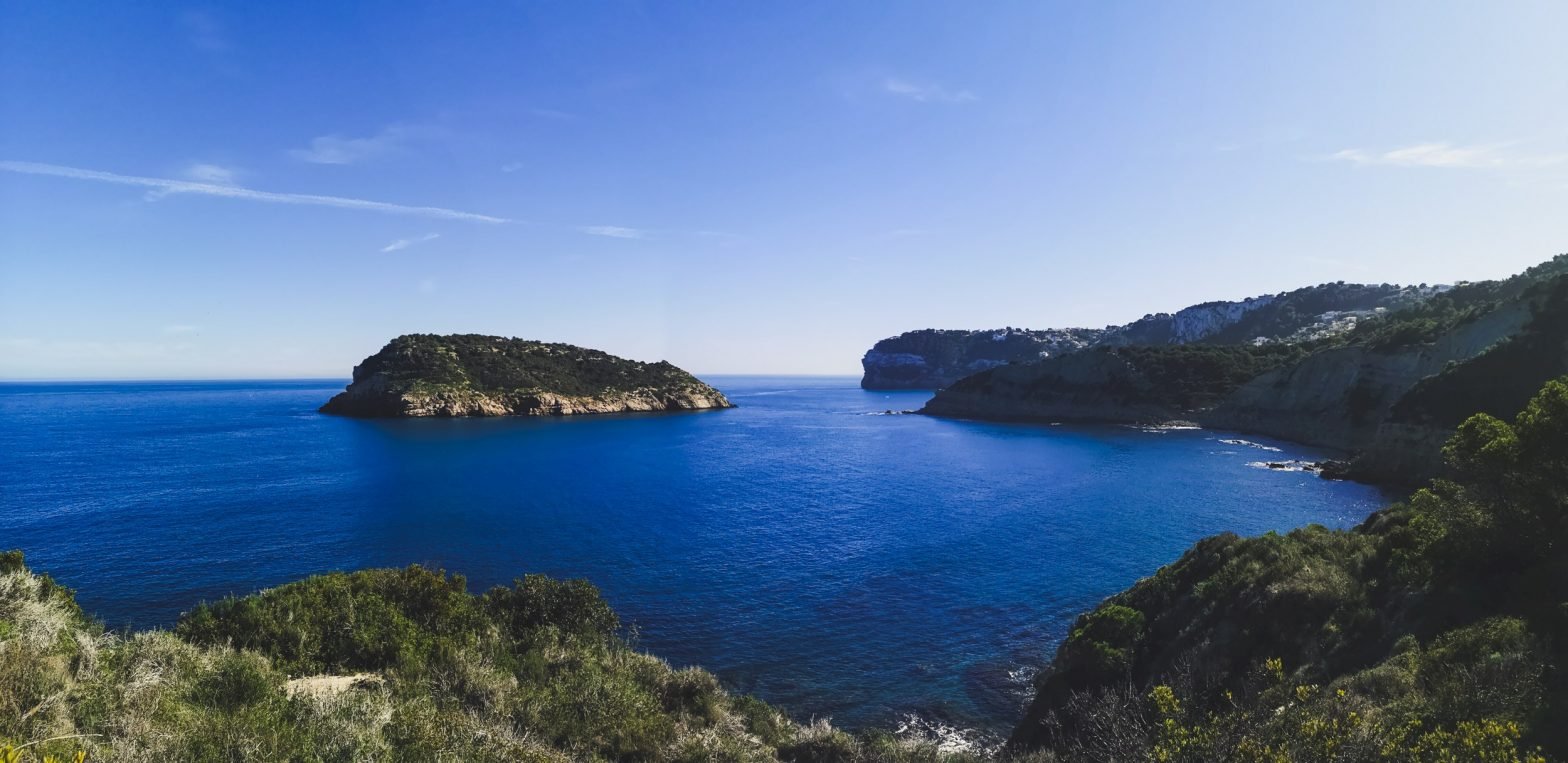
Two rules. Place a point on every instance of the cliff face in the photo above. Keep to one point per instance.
(1341, 398)
(934, 359)
(1391, 391)
(472, 375)
(1497, 382)
(1113, 384)
(1338, 398)
(1083, 386)
(1191, 324)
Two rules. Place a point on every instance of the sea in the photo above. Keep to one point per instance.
(816, 545)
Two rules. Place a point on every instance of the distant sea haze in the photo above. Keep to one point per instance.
(863, 567)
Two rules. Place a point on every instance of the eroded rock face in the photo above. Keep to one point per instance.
(1337, 398)
(1340, 398)
(365, 402)
(471, 375)
(935, 359)
(1392, 403)
(1085, 386)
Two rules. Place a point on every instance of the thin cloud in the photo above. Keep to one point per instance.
(336, 149)
(1497, 156)
(180, 328)
(168, 186)
(200, 173)
(511, 167)
(926, 93)
(210, 173)
(404, 243)
(613, 231)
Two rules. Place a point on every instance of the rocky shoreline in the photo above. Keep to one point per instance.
(369, 404)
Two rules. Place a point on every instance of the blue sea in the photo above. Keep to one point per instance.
(805, 546)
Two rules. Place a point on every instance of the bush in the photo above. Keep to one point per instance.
(1438, 626)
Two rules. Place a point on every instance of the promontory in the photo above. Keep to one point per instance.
(477, 375)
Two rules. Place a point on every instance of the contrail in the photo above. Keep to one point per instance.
(235, 192)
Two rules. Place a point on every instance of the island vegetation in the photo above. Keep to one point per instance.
(477, 375)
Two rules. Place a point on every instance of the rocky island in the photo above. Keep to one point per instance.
(477, 375)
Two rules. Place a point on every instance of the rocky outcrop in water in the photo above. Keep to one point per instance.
(472, 375)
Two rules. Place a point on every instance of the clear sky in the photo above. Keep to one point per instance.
(275, 189)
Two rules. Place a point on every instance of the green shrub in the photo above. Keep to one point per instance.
(1472, 568)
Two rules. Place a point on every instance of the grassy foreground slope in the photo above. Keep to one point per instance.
(1435, 631)
(378, 665)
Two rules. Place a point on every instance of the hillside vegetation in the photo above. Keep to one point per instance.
(1435, 631)
(382, 665)
(1139, 383)
(933, 358)
(1391, 389)
(1430, 318)
(497, 364)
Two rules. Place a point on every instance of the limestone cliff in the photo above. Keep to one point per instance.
(934, 359)
(1083, 386)
(1133, 385)
(1392, 390)
(473, 375)
(1339, 397)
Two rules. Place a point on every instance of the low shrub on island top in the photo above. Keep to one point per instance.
(1435, 631)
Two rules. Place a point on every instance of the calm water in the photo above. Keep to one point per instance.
(863, 567)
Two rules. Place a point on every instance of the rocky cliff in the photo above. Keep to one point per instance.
(473, 375)
(934, 359)
(1391, 390)
(1133, 385)
(1338, 397)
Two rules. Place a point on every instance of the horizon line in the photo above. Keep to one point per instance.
(193, 379)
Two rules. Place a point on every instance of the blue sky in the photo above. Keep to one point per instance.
(275, 189)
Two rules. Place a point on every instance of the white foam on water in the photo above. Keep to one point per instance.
(948, 739)
(1251, 444)
(1283, 466)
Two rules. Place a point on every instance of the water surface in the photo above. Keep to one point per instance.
(837, 563)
